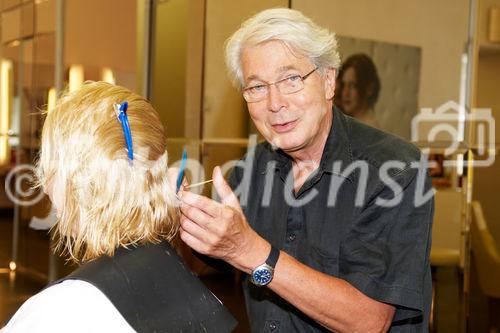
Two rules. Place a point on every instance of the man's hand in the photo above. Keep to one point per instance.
(221, 230)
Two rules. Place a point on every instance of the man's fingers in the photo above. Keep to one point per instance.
(196, 215)
(224, 190)
(193, 242)
(205, 204)
(194, 229)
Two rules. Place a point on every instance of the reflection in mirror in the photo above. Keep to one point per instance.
(96, 46)
(225, 113)
(168, 93)
(378, 83)
(9, 95)
(6, 83)
(406, 27)
(42, 85)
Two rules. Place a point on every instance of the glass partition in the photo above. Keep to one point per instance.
(96, 46)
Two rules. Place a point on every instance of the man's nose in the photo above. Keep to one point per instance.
(275, 99)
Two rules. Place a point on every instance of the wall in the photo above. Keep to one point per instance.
(487, 180)
(97, 34)
(438, 27)
(224, 113)
(169, 64)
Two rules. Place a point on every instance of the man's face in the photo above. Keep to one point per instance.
(296, 121)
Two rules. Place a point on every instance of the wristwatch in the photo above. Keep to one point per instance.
(264, 273)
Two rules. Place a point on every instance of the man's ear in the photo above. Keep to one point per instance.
(329, 75)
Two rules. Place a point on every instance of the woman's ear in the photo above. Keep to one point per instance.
(329, 75)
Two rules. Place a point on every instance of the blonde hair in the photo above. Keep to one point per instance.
(108, 202)
(294, 29)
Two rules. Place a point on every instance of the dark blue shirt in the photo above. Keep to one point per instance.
(338, 229)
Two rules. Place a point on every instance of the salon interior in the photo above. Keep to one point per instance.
(438, 63)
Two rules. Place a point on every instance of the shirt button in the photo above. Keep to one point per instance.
(291, 237)
(272, 326)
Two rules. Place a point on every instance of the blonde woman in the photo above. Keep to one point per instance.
(103, 163)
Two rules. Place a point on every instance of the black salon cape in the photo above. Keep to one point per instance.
(155, 292)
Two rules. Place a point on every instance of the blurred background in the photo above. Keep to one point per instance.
(409, 67)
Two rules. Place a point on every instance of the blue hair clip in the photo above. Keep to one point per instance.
(121, 114)
(181, 170)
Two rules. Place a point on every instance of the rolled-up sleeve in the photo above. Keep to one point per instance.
(386, 252)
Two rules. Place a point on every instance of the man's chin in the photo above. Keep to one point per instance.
(285, 145)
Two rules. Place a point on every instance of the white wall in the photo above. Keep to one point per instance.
(438, 27)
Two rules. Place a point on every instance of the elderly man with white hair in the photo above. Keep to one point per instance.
(327, 216)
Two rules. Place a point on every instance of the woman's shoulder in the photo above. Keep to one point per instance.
(72, 305)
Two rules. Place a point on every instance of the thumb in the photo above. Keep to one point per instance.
(224, 190)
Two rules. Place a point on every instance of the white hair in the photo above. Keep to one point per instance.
(289, 26)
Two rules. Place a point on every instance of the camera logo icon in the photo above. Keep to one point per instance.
(455, 130)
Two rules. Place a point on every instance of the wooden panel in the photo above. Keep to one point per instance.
(27, 20)
(487, 180)
(45, 16)
(11, 25)
(225, 113)
(169, 64)
(194, 68)
(94, 35)
(6, 4)
(494, 28)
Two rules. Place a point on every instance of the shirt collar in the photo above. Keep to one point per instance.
(338, 144)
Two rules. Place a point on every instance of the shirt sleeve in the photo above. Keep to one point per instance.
(70, 306)
(386, 252)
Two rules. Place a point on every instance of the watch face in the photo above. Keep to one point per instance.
(262, 276)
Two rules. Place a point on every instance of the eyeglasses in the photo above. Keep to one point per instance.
(289, 85)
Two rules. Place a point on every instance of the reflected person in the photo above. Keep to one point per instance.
(358, 89)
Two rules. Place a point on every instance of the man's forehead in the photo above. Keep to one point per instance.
(270, 59)
(279, 70)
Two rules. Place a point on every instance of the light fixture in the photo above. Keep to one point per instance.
(75, 77)
(460, 165)
(107, 75)
(5, 106)
(494, 26)
(51, 99)
(14, 43)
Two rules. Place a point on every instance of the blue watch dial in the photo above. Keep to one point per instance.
(262, 276)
